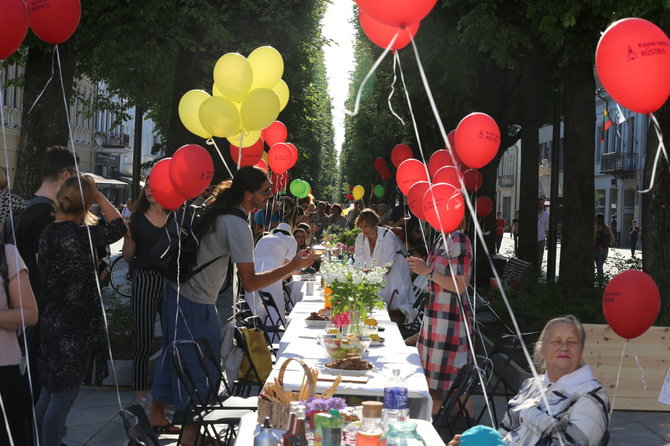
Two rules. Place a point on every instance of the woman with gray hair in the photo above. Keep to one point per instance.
(579, 404)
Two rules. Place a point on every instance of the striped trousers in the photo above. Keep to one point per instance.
(147, 296)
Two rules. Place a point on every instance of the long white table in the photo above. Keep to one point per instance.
(248, 428)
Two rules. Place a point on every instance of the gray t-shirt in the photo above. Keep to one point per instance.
(231, 240)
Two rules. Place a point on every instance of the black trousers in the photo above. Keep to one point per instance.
(17, 407)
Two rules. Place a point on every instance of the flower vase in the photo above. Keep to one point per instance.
(356, 325)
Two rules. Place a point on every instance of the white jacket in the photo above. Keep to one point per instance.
(579, 406)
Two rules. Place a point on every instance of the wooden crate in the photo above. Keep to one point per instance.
(603, 353)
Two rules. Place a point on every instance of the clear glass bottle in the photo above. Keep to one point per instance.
(403, 433)
(395, 400)
(371, 428)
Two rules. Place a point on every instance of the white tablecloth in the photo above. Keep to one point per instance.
(249, 427)
(300, 341)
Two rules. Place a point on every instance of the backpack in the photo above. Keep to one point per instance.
(177, 261)
(8, 234)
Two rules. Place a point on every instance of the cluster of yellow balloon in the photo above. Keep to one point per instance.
(247, 96)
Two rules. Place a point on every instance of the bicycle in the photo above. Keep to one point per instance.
(119, 276)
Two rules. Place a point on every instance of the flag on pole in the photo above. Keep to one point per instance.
(620, 118)
(607, 123)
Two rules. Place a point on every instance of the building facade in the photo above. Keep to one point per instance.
(103, 149)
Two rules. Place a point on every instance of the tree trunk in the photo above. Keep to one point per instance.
(577, 244)
(530, 161)
(46, 124)
(656, 215)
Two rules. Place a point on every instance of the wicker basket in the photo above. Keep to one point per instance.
(279, 412)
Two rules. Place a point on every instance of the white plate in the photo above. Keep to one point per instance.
(347, 372)
(316, 324)
(377, 343)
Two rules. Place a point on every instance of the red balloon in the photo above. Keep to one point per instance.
(450, 175)
(350, 197)
(473, 179)
(397, 13)
(415, 198)
(13, 26)
(274, 133)
(380, 163)
(250, 155)
(444, 207)
(191, 170)
(484, 206)
(477, 139)
(261, 164)
(382, 34)
(400, 153)
(294, 154)
(280, 158)
(278, 182)
(161, 186)
(633, 64)
(54, 21)
(440, 159)
(631, 303)
(409, 172)
(385, 173)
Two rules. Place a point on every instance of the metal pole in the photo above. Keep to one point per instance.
(137, 153)
(553, 193)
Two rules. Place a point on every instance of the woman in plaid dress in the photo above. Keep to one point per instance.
(442, 343)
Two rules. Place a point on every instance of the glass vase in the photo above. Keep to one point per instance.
(356, 325)
(402, 433)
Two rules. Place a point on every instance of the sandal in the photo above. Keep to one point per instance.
(168, 428)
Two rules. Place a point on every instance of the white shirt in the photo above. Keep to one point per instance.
(542, 225)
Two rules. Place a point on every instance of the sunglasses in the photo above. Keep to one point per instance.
(267, 192)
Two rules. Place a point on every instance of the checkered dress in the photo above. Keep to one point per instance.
(443, 343)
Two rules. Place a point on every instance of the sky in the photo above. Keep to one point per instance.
(339, 57)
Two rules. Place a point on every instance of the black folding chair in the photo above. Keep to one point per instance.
(202, 408)
(453, 415)
(137, 426)
(414, 326)
(274, 326)
(287, 297)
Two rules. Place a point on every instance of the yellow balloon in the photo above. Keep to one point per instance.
(358, 192)
(233, 76)
(259, 109)
(267, 65)
(245, 138)
(189, 106)
(281, 90)
(216, 91)
(219, 116)
(265, 156)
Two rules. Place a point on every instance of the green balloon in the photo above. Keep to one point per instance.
(379, 191)
(299, 188)
(306, 189)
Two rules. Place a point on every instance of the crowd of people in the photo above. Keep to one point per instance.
(54, 274)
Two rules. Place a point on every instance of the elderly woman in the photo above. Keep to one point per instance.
(377, 246)
(578, 401)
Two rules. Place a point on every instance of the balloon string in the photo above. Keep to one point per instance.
(239, 152)
(370, 73)
(660, 149)
(16, 260)
(395, 64)
(45, 85)
(211, 142)
(618, 376)
(480, 234)
(644, 382)
(88, 229)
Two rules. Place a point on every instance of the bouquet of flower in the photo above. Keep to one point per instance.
(355, 292)
(335, 234)
(323, 404)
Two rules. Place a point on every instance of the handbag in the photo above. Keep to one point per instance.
(259, 353)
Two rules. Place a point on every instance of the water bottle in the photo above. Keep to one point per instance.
(395, 399)
(266, 437)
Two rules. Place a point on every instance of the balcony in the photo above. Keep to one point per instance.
(506, 180)
(619, 164)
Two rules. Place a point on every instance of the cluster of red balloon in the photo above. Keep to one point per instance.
(382, 169)
(382, 21)
(53, 21)
(633, 64)
(434, 191)
(247, 96)
(184, 176)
